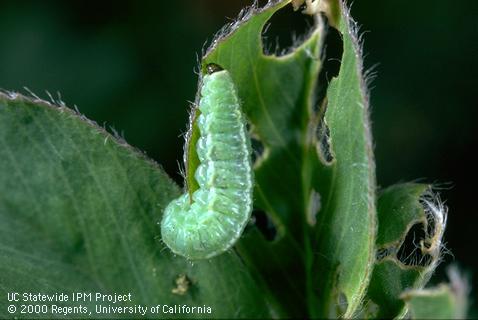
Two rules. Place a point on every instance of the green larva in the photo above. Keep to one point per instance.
(213, 220)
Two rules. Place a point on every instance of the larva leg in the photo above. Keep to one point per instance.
(221, 207)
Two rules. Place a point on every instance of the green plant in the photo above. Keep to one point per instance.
(79, 207)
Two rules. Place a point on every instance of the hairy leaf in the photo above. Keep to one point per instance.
(408, 246)
(442, 302)
(314, 251)
(79, 212)
(276, 93)
(345, 232)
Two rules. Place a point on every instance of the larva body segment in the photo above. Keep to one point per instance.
(214, 220)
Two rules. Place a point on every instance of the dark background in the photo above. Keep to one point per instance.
(131, 65)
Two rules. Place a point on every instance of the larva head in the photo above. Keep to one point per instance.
(212, 67)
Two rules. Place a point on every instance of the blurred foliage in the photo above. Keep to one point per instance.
(116, 61)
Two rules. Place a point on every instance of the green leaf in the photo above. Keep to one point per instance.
(398, 209)
(442, 302)
(78, 213)
(405, 219)
(345, 232)
(333, 256)
(436, 303)
(276, 93)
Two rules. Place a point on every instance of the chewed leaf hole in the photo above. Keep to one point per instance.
(382, 253)
(313, 208)
(410, 252)
(423, 243)
(324, 147)
(258, 149)
(265, 225)
(342, 303)
(285, 30)
(332, 50)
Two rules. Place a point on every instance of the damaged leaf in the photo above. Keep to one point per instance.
(409, 241)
